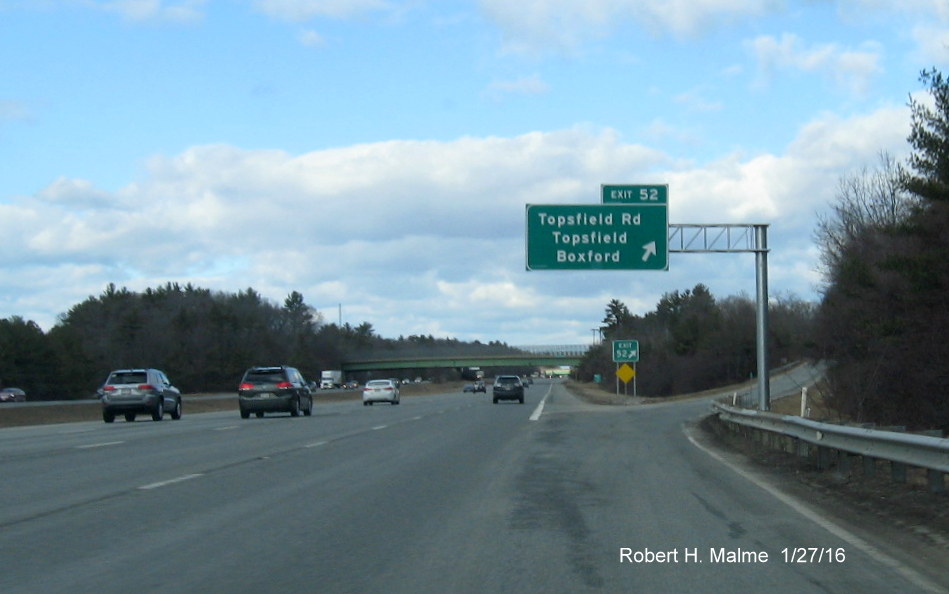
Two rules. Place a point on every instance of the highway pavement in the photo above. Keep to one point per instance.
(443, 493)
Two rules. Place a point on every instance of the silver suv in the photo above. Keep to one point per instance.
(508, 387)
(132, 391)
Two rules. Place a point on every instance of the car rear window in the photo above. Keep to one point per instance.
(128, 377)
(378, 384)
(265, 376)
(507, 381)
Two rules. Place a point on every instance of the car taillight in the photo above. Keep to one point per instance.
(108, 388)
(246, 386)
(146, 387)
(284, 385)
(389, 388)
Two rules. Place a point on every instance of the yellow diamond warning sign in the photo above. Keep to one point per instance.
(625, 372)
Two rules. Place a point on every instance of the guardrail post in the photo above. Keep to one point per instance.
(869, 466)
(897, 472)
(823, 458)
(803, 448)
(937, 483)
(843, 463)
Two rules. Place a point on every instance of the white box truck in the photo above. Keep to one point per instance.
(331, 379)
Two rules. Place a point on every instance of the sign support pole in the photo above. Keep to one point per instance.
(761, 339)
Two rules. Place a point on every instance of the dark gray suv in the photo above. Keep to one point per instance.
(130, 392)
(274, 389)
(508, 387)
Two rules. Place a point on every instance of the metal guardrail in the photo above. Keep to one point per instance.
(920, 451)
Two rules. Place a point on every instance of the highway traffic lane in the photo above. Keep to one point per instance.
(476, 498)
(585, 486)
(244, 513)
(53, 467)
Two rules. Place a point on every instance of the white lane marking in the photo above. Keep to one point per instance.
(378, 427)
(98, 445)
(416, 418)
(814, 516)
(179, 479)
(228, 428)
(540, 407)
(316, 444)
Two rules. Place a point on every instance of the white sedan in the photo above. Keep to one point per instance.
(380, 391)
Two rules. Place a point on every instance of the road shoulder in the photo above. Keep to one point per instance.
(904, 523)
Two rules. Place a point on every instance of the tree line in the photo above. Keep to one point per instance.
(883, 317)
(883, 320)
(203, 339)
(692, 341)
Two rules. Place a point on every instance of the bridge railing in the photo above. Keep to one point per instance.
(564, 350)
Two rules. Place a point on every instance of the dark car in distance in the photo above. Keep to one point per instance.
(130, 392)
(507, 387)
(476, 387)
(277, 388)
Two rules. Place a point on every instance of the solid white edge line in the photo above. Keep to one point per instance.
(316, 444)
(98, 445)
(540, 407)
(838, 531)
(179, 479)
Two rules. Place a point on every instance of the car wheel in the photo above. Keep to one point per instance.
(159, 411)
(129, 417)
(176, 413)
(365, 403)
(108, 416)
(245, 414)
(495, 400)
(521, 400)
(308, 410)
(295, 408)
(260, 415)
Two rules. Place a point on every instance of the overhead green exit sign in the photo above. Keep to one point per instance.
(635, 193)
(597, 237)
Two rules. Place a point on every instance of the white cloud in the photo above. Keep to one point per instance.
(155, 10)
(311, 38)
(933, 44)
(540, 25)
(415, 236)
(526, 85)
(848, 68)
(693, 101)
(304, 10)
(14, 111)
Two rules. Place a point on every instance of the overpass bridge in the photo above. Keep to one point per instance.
(529, 356)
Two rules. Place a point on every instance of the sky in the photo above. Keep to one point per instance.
(378, 155)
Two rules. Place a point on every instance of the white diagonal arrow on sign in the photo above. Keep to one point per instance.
(649, 250)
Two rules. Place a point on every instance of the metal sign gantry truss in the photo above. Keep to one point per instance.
(729, 239)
